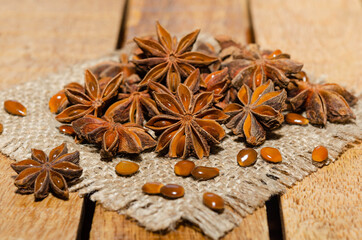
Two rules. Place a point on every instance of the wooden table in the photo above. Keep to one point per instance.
(40, 37)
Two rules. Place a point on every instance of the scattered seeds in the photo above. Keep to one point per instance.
(213, 201)
(320, 154)
(15, 108)
(270, 154)
(126, 168)
(204, 173)
(152, 187)
(172, 191)
(247, 157)
(184, 168)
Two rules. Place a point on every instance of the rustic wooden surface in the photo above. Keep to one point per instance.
(40, 37)
(327, 37)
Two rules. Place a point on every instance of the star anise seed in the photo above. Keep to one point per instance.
(259, 110)
(59, 101)
(189, 122)
(42, 173)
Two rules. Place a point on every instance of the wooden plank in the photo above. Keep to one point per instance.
(37, 38)
(181, 16)
(326, 36)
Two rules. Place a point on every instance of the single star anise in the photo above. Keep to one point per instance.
(189, 122)
(253, 67)
(90, 102)
(259, 110)
(169, 58)
(59, 101)
(113, 137)
(41, 173)
(132, 107)
(322, 101)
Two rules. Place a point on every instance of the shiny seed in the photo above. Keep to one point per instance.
(320, 154)
(15, 108)
(184, 168)
(152, 187)
(204, 173)
(294, 118)
(270, 154)
(1, 128)
(56, 101)
(126, 168)
(246, 157)
(67, 130)
(213, 201)
(172, 191)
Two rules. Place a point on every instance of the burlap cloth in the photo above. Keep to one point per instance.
(243, 189)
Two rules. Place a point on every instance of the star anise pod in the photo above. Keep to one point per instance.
(132, 107)
(90, 102)
(41, 173)
(322, 101)
(253, 67)
(59, 101)
(258, 111)
(189, 122)
(169, 58)
(113, 137)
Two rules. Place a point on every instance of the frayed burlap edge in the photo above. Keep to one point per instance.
(244, 189)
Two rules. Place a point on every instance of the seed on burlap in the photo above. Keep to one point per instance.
(1, 128)
(213, 201)
(67, 130)
(184, 168)
(152, 187)
(270, 154)
(204, 173)
(126, 168)
(320, 154)
(15, 108)
(294, 118)
(246, 157)
(172, 191)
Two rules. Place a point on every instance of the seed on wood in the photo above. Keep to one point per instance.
(126, 168)
(15, 108)
(246, 157)
(172, 191)
(213, 201)
(184, 168)
(152, 187)
(204, 173)
(320, 154)
(270, 154)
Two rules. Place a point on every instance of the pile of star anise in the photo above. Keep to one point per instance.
(185, 95)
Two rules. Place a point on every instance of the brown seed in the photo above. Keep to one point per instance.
(204, 173)
(67, 130)
(1, 128)
(320, 154)
(126, 168)
(15, 108)
(270, 154)
(172, 191)
(246, 157)
(152, 187)
(213, 201)
(294, 118)
(184, 168)
(57, 101)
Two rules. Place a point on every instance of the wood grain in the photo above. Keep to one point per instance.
(181, 16)
(38, 38)
(326, 36)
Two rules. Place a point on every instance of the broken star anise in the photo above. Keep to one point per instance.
(321, 101)
(41, 173)
(132, 107)
(253, 67)
(90, 102)
(259, 110)
(189, 122)
(168, 58)
(113, 137)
